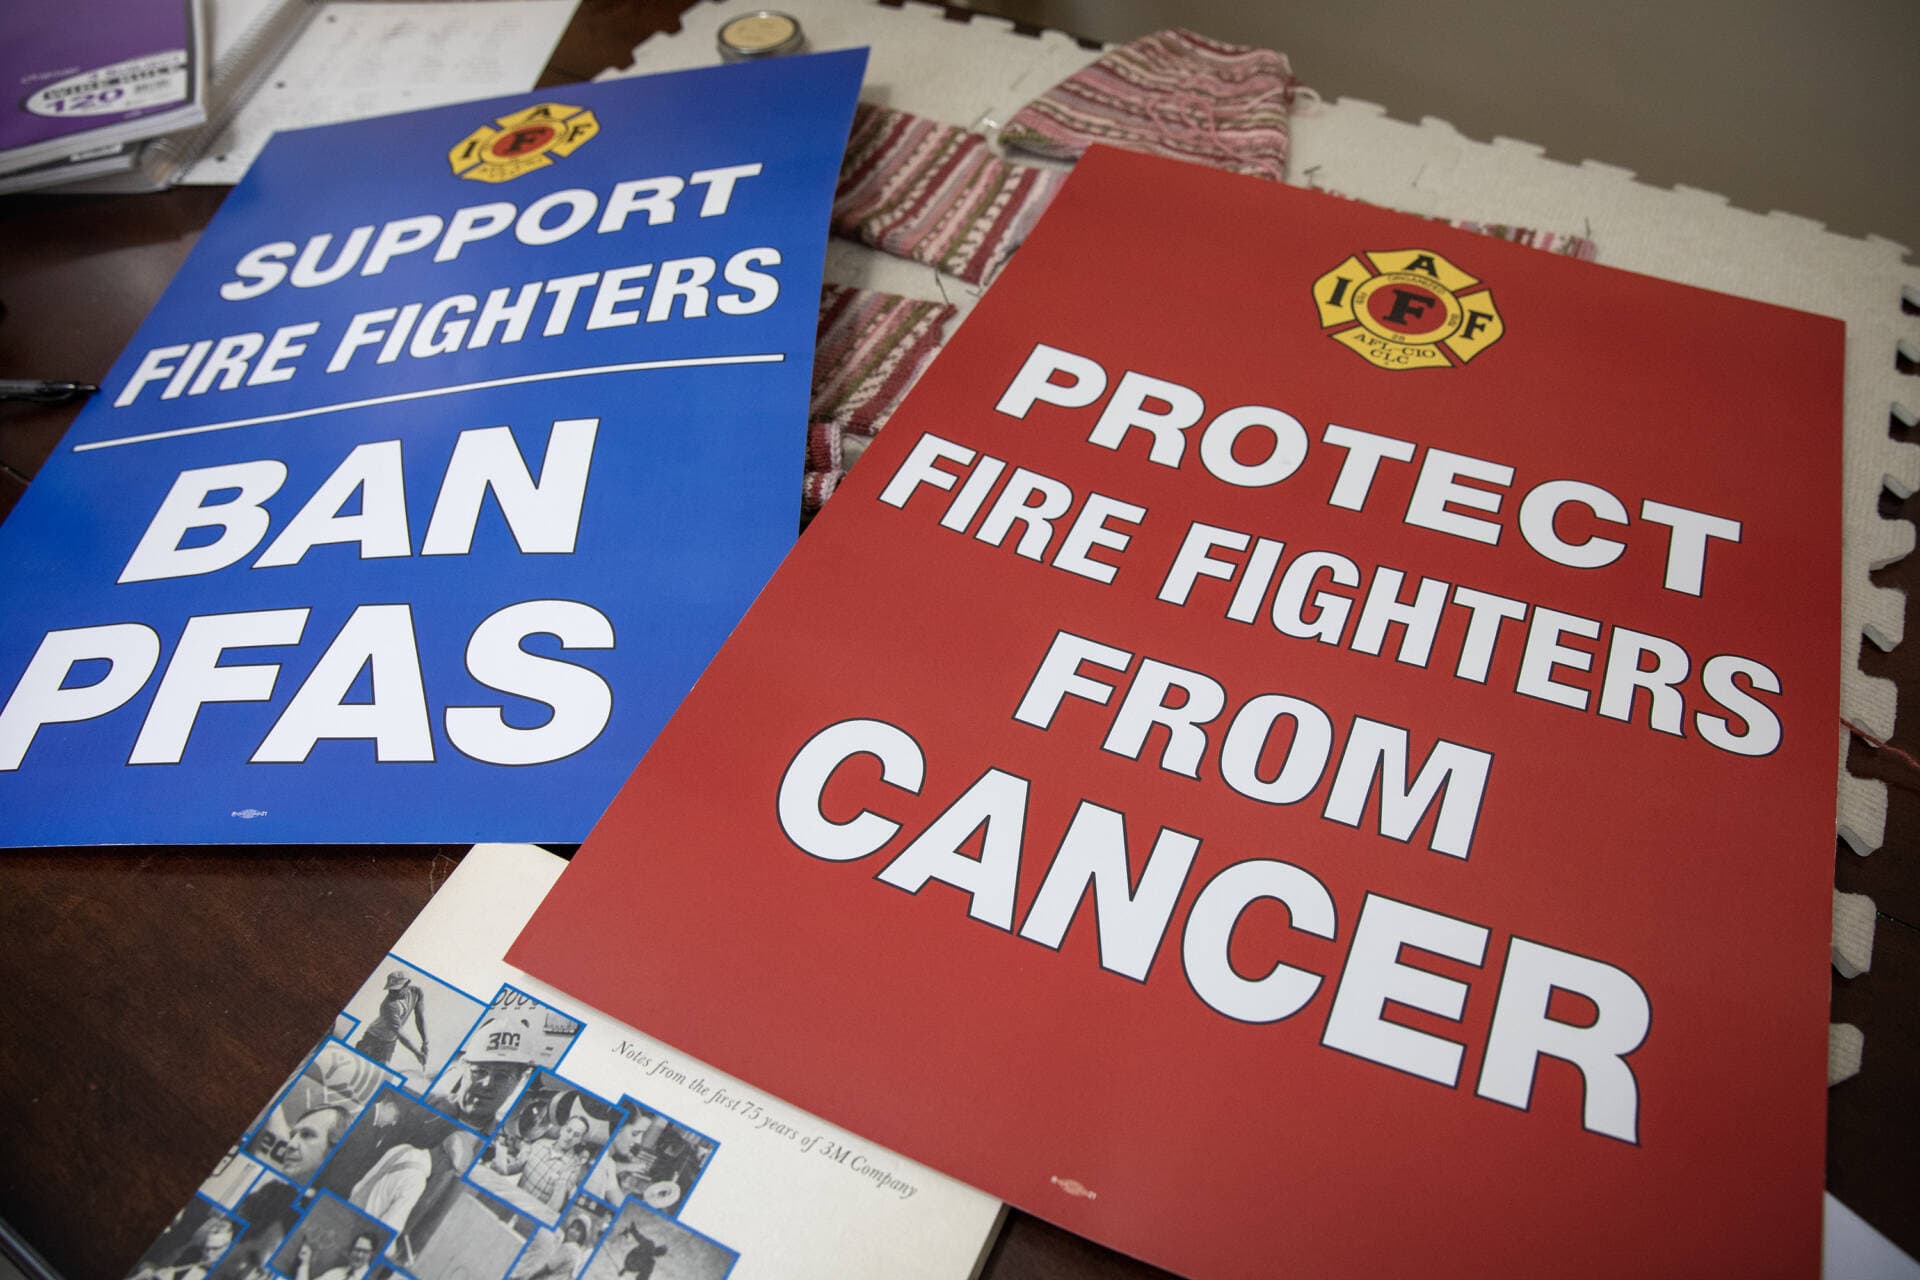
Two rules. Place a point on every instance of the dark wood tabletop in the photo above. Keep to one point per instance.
(158, 995)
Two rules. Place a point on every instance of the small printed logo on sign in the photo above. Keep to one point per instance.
(1074, 1187)
(1407, 309)
(522, 142)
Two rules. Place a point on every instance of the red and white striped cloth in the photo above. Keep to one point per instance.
(920, 189)
(870, 349)
(1172, 93)
(1547, 241)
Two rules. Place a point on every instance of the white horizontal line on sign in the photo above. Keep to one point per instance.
(772, 357)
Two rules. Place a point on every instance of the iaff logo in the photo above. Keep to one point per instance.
(1407, 309)
(524, 141)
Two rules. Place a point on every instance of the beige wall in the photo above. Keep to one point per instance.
(1813, 108)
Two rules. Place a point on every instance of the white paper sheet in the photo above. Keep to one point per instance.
(356, 60)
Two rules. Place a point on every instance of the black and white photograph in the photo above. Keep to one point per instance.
(654, 1157)
(244, 1264)
(314, 1112)
(516, 1035)
(231, 1178)
(411, 1021)
(543, 1150)
(193, 1244)
(561, 1252)
(466, 1235)
(270, 1212)
(398, 1160)
(645, 1245)
(333, 1241)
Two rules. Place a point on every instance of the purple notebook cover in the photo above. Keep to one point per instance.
(85, 65)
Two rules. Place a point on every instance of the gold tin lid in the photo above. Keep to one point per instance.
(763, 33)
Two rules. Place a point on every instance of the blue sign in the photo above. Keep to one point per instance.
(457, 447)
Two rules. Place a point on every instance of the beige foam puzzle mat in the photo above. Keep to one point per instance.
(977, 73)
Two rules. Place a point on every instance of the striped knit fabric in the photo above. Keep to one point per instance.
(928, 191)
(1174, 94)
(871, 347)
(1548, 241)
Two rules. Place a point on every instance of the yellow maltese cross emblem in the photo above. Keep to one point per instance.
(522, 142)
(1407, 309)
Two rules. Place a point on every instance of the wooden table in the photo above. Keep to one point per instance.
(158, 995)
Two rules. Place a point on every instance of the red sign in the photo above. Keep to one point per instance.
(1272, 811)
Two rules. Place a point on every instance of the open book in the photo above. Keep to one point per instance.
(461, 1119)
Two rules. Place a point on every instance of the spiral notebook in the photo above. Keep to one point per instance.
(86, 83)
